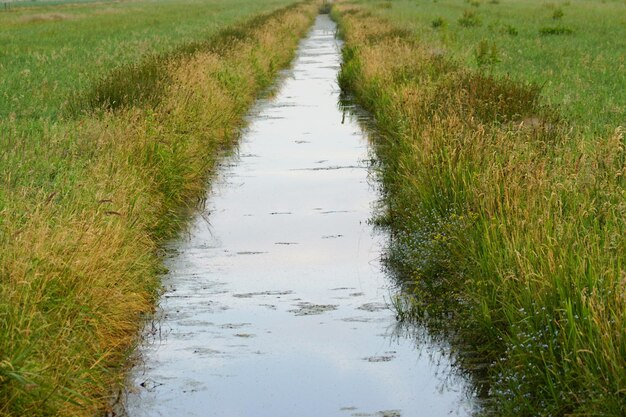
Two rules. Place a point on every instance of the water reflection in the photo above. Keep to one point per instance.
(276, 303)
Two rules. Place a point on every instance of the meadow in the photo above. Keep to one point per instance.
(51, 52)
(113, 117)
(574, 50)
(502, 154)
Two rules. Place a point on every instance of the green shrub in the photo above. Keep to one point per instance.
(469, 19)
(555, 30)
(438, 23)
(486, 53)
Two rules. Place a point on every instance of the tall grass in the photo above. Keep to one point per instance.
(508, 224)
(88, 200)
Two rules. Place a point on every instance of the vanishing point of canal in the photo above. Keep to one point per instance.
(275, 303)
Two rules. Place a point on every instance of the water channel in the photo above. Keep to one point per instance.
(275, 303)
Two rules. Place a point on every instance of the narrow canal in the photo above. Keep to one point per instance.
(276, 304)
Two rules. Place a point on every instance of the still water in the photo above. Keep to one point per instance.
(276, 304)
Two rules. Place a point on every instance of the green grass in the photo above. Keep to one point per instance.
(579, 59)
(50, 52)
(508, 212)
(113, 117)
(56, 58)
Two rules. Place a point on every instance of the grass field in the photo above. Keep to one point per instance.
(50, 52)
(575, 50)
(113, 114)
(506, 195)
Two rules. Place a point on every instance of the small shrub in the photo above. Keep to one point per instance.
(557, 14)
(469, 19)
(474, 3)
(325, 7)
(510, 30)
(486, 53)
(438, 23)
(555, 30)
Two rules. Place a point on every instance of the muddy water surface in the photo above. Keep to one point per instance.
(275, 304)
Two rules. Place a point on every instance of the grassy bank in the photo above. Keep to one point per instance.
(508, 216)
(574, 50)
(51, 52)
(87, 195)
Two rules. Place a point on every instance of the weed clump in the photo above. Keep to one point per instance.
(557, 14)
(469, 19)
(486, 54)
(555, 30)
(510, 30)
(438, 23)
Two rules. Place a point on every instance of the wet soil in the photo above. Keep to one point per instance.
(276, 304)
